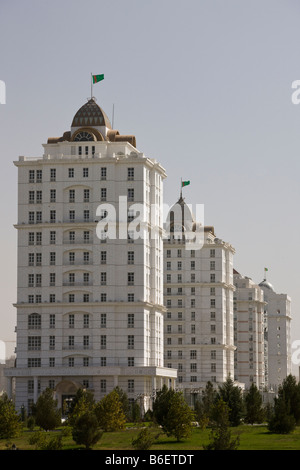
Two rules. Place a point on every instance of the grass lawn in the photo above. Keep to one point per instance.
(251, 438)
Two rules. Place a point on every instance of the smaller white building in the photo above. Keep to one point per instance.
(249, 331)
(278, 335)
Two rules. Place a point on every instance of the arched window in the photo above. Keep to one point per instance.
(34, 321)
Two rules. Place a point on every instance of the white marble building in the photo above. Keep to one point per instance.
(198, 288)
(249, 327)
(278, 335)
(89, 308)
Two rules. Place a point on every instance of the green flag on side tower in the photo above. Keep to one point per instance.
(185, 183)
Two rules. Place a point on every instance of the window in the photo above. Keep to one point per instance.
(86, 342)
(103, 194)
(103, 361)
(39, 174)
(71, 257)
(38, 238)
(86, 320)
(130, 298)
(85, 171)
(31, 176)
(130, 194)
(130, 320)
(34, 343)
(86, 215)
(38, 217)
(34, 362)
(71, 172)
(52, 216)
(193, 354)
(130, 361)
(213, 354)
(34, 321)
(168, 265)
(212, 278)
(52, 258)
(71, 279)
(86, 279)
(168, 253)
(103, 385)
(52, 279)
(86, 236)
(103, 257)
(52, 320)
(103, 341)
(130, 174)
(86, 361)
(86, 257)
(39, 197)
(51, 343)
(130, 385)
(30, 259)
(30, 280)
(130, 342)
(31, 217)
(86, 195)
(52, 298)
(71, 298)
(52, 237)
(71, 362)
(103, 279)
(130, 257)
(103, 320)
(52, 195)
(71, 195)
(212, 265)
(86, 298)
(52, 174)
(212, 303)
(71, 216)
(212, 253)
(193, 265)
(71, 320)
(72, 237)
(103, 173)
(103, 297)
(31, 238)
(130, 279)
(31, 197)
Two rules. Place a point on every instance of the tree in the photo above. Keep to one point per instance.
(171, 411)
(109, 412)
(232, 395)
(47, 415)
(86, 430)
(204, 405)
(178, 422)
(145, 438)
(253, 402)
(81, 404)
(220, 437)
(291, 391)
(123, 397)
(281, 421)
(10, 423)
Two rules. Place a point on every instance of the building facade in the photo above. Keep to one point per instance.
(249, 305)
(278, 335)
(198, 288)
(90, 286)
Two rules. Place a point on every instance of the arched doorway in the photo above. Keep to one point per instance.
(65, 391)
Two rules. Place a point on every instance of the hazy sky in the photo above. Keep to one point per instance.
(205, 86)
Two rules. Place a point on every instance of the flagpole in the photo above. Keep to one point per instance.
(181, 188)
(91, 85)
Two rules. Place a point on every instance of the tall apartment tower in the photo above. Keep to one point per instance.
(198, 288)
(90, 287)
(278, 335)
(249, 308)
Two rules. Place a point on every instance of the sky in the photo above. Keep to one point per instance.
(206, 88)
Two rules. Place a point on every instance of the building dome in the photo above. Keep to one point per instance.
(267, 284)
(180, 218)
(90, 115)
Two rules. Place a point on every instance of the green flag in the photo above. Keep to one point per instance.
(266, 269)
(98, 78)
(185, 183)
